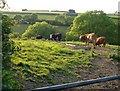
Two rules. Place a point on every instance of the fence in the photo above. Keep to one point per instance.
(76, 84)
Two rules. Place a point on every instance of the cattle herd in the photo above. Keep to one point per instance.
(88, 38)
(91, 37)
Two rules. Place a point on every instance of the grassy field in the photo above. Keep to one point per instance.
(40, 61)
(20, 28)
(41, 15)
(114, 16)
(47, 17)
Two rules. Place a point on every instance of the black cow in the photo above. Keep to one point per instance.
(39, 37)
(56, 36)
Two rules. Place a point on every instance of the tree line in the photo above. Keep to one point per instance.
(61, 20)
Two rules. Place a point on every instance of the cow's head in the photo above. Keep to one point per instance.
(83, 38)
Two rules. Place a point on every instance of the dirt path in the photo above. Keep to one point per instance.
(102, 67)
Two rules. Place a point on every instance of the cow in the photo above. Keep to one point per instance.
(91, 37)
(39, 37)
(56, 36)
(101, 40)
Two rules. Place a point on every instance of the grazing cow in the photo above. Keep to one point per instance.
(89, 38)
(101, 40)
(39, 37)
(56, 36)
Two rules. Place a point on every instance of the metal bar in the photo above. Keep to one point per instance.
(76, 84)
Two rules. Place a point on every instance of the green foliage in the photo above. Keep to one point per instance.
(32, 18)
(39, 28)
(70, 36)
(60, 19)
(97, 22)
(62, 30)
(64, 19)
(14, 35)
(6, 43)
(20, 28)
(9, 83)
(115, 55)
(7, 48)
(18, 17)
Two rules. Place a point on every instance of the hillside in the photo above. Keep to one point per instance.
(38, 63)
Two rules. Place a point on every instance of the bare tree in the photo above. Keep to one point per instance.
(3, 4)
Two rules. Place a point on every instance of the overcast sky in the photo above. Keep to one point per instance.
(108, 6)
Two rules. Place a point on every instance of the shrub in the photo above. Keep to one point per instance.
(14, 35)
(39, 28)
(72, 36)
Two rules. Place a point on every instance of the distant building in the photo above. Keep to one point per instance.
(71, 12)
(24, 10)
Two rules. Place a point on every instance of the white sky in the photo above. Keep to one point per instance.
(108, 6)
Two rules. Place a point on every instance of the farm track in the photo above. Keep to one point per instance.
(102, 67)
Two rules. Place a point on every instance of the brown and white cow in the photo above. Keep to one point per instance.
(101, 40)
(89, 38)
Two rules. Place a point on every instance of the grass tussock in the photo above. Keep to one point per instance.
(46, 61)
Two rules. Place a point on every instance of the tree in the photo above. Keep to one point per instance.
(18, 18)
(39, 28)
(60, 19)
(34, 18)
(64, 19)
(31, 18)
(8, 46)
(27, 18)
(3, 4)
(69, 20)
(95, 21)
(8, 82)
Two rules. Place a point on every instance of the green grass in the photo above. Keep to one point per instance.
(40, 16)
(46, 17)
(20, 28)
(114, 16)
(41, 60)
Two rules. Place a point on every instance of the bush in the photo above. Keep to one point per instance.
(39, 28)
(14, 35)
(72, 36)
